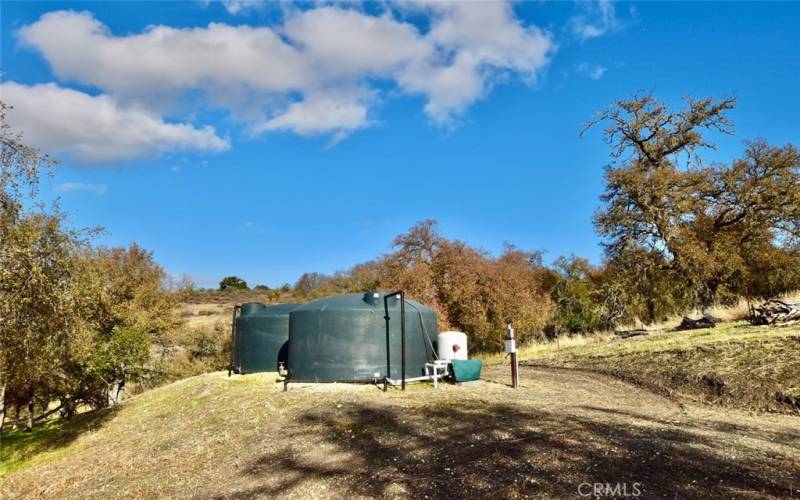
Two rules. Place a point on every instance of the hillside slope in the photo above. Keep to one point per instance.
(243, 437)
(735, 364)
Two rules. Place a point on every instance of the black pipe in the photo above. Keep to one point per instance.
(233, 338)
(388, 356)
(403, 339)
(402, 295)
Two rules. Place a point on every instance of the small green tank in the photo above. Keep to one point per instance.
(260, 340)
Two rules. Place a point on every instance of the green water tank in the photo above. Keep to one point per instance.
(261, 337)
(343, 339)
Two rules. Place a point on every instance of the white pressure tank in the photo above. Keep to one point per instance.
(452, 345)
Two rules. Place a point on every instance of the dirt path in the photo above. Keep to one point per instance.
(563, 434)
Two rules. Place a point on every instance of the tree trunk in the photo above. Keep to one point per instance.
(113, 391)
(17, 422)
(710, 294)
(116, 390)
(651, 311)
(68, 409)
(29, 423)
(2, 407)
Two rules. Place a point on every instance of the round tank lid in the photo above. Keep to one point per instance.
(372, 298)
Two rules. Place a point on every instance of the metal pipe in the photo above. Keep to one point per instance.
(388, 354)
(511, 349)
(412, 379)
(514, 371)
(236, 308)
(401, 294)
(403, 338)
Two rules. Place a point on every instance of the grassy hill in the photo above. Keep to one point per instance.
(735, 364)
(203, 309)
(212, 436)
(206, 309)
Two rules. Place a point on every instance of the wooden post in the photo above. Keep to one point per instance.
(511, 349)
(749, 306)
(514, 371)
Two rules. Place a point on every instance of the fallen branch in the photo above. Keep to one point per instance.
(626, 334)
(48, 413)
(775, 311)
(693, 324)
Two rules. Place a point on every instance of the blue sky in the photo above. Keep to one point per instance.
(285, 138)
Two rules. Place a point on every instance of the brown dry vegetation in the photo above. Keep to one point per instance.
(215, 437)
(231, 297)
(207, 309)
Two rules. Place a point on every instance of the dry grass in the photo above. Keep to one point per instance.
(792, 296)
(735, 364)
(215, 437)
(727, 313)
(536, 348)
(200, 316)
(232, 297)
(737, 312)
(203, 310)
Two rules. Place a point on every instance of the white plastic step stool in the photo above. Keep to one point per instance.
(436, 370)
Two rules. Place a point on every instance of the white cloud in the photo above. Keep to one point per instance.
(239, 6)
(318, 114)
(475, 43)
(595, 72)
(595, 19)
(97, 128)
(98, 189)
(302, 75)
(165, 59)
(347, 44)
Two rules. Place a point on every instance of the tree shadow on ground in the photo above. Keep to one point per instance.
(482, 449)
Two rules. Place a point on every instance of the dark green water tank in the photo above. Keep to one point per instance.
(343, 339)
(262, 334)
